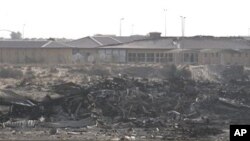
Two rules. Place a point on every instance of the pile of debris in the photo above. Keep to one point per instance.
(178, 103)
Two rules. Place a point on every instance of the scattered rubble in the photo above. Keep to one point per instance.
(121, 106)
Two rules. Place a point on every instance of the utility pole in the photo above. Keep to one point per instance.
(183, 25)
(121, 26)
(165, 21)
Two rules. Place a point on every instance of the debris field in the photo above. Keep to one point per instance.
(122, 102)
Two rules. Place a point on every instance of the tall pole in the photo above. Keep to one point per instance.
(165, 21)
(183, 25)
(121, 26)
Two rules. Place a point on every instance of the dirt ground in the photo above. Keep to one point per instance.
(122, 102)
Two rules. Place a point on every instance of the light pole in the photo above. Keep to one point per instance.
(121, 26)
(165, 21)
(183, 25)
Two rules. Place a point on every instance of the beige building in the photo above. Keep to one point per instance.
(87, 49)
(142, 51)
(179, 50)
(34, 52)
(111, 49)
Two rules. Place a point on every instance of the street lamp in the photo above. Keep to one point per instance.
(165, 22)
(121, 26)
(183, 25)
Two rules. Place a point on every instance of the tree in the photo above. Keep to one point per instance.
(15, 35)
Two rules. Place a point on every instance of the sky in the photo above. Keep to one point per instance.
(79, 18)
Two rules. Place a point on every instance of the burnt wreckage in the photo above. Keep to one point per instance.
(178, 102)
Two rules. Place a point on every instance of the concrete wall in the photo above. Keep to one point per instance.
(36, 55)
(225, 57)
(102, 55)
(210, 57)
(242, 58)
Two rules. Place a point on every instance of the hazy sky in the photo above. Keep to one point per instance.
(79, 18)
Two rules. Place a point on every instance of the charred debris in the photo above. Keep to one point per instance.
(176, 102)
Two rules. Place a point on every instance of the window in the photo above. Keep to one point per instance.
(191, 57)
(131, 57)
(165, 59)
(157, 57)
(75, 51)
(162, 57)
(170, 57)
(196, 57)
(217, 54)
(141, 57)
(186, 57)
(150, 57)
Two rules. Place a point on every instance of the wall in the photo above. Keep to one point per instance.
(84, 55)
(233, 58)
(36, 55)
(149, 56)
(112, 55)
(210, 57)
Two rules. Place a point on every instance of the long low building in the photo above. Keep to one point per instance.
(34, 52)
(180, 50)
(104, 49)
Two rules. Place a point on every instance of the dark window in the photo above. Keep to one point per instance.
(75, 51)
(217, 54)
(141, 57)
(191, 57)
(157, 57)
(196, 57)
(186, 57)
(162, 57)
(150, 57)
(131, 57)
(170, 57)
